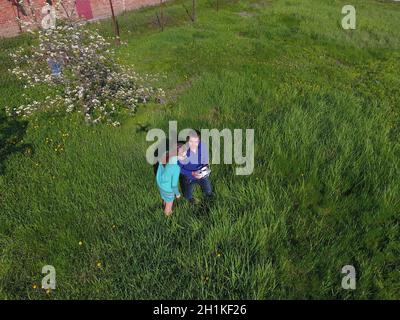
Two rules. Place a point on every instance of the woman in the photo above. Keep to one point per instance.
(167, 176)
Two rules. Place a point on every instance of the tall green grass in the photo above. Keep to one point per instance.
(324, 104)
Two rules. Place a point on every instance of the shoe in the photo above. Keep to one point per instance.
(209, 198)
(193, 201)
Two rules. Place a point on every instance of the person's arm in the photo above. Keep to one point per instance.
(184, 171)
(204, 154)
(175, 181)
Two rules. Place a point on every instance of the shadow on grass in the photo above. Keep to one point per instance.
(12, 132)
(205, 206)
(201, 208)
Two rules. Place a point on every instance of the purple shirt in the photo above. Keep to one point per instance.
(194, 161)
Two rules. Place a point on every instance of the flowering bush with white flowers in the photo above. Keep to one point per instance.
(79, 66)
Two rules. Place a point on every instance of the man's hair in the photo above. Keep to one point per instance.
(193, 134)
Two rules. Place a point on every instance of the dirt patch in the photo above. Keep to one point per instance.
(260, 4)
(246, 14)
(173, 94)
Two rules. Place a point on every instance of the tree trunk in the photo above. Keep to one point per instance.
(194, 10)
(115, 23)
(162, 14)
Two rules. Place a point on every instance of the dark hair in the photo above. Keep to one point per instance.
(171, 152)
(193, 133)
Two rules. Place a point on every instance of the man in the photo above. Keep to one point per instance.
(196, 159)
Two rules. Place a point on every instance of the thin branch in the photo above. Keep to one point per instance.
(159, 22)
(162, 14)
(188, 13)
(115, 22)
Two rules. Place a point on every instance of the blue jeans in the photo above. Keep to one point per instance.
(187, 186)
(55, 67)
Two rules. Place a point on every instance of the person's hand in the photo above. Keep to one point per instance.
(196, 175)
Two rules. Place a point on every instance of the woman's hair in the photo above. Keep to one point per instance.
(171, 153)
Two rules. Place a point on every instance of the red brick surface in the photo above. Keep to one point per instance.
(9, 26)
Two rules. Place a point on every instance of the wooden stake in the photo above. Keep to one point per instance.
(188, 13)
(194, 10)
(162, 14)
(159, 22)
(116, 26)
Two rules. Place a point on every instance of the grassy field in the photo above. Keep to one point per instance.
(325, 107)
